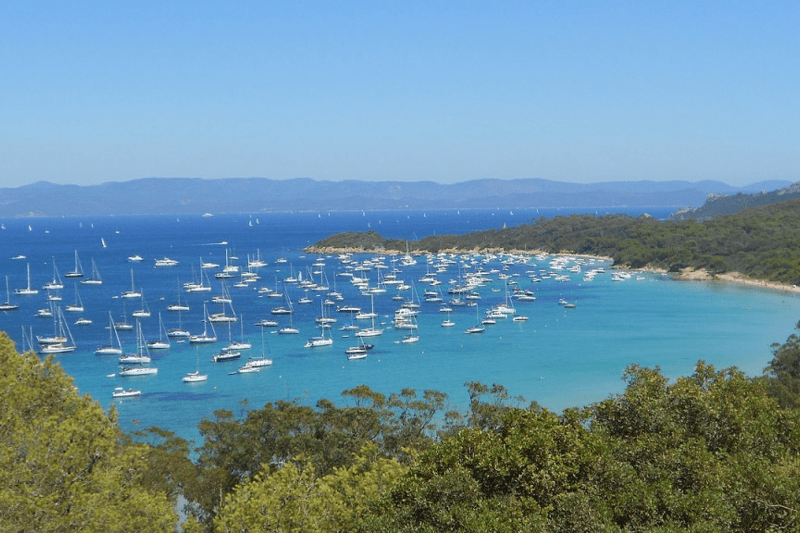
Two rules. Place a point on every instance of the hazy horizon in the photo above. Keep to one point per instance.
(445, 91)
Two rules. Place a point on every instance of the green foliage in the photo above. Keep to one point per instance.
(294, 498)
(783, 372)
(762, 242)
(63, 463)
(710, 452)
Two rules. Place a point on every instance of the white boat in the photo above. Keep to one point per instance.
(240, 344)
(128, 371)
(95, 279)
(180, 306)
(142, 356)
(411, 338)
(77, 272)
(246, 370)
(56, 283)
(179, 332)
(165, 262)
(134, 258)
(111, 348)
(161, 343)
(196, 376)
(124, 325)
(371, 331)
(315, 342)
(205, 338)
(57, 343)
(27, 291)
(520, 318)
(262, 360)
(133, 293)
(264, 323)
(144, 312)
(83, 321)
(119, 392)
(8, 306)
(77, 307)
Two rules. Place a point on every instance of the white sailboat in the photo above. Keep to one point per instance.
(133, 293)
(196, 376)
(161, 343)
(141, 356)
(144, 311)
(77, 307)
(56, 283)
(77, 272)
(180, 306)
(262, 361)
(371, 331)
(95, 279)
(240, 344)
(27, 291)
(111, 348)
(62, 333)
(8, 306)
(205, 338)
(179, 332)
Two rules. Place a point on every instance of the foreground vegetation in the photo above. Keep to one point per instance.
(714, 451)
(762, 242)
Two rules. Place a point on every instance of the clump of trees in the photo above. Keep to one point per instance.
(762, 242)
(713, 451)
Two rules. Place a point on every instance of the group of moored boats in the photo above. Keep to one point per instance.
(371, 277)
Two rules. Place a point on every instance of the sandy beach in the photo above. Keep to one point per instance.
(689, 274)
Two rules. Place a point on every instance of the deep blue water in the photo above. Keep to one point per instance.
(560, 357)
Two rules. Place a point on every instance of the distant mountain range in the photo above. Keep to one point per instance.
(252, 195)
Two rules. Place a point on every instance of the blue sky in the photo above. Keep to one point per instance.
(445, 91)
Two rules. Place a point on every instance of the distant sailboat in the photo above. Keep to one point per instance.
(8, 306)
(95, 279)
(196, 376)
(77, 272)
(161, 343)
(27, 290)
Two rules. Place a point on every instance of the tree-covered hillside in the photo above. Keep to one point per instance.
(714, 451)
(761, 242)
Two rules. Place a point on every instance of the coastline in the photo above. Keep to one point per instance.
(687, 274)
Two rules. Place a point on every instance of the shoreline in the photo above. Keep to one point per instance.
(687, 274)
(737, 278)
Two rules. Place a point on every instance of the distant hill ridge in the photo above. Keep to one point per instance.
(723, 204)
(252, 195)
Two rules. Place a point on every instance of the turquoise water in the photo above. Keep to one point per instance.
(560, 357)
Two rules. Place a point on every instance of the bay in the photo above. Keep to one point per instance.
(560, 357)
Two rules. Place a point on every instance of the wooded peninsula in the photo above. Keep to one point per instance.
(759, 243)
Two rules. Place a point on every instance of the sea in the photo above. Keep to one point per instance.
(581, 322)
